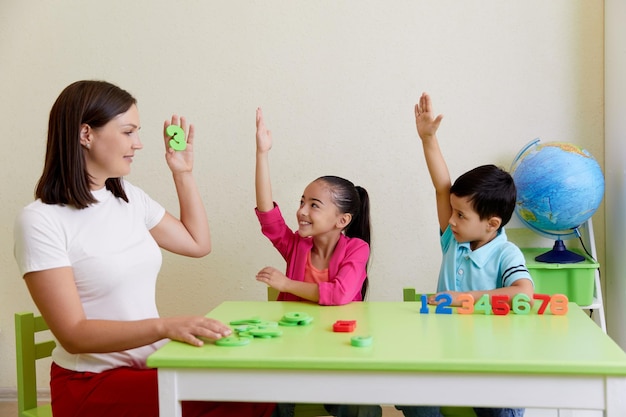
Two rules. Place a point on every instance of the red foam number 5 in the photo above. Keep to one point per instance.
(500, 304)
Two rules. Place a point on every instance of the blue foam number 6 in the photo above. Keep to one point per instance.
(178, 142)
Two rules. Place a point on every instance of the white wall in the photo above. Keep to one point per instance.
(615, 87)
(337, 81)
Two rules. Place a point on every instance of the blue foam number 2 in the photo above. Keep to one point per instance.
(443, 304)
(178, 142)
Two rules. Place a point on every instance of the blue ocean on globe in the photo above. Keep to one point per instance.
(559, 186)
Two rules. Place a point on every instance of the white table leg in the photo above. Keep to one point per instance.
(169, 403)
(615, 398)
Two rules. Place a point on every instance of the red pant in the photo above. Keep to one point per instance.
(128, 392)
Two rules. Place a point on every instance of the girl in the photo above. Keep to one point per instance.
(89, 251)
(327, 257)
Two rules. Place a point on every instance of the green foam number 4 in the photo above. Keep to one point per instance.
(178, 142)
(483, 304)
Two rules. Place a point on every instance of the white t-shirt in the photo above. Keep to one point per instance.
(114, 258)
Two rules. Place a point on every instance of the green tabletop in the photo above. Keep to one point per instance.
(405, 340)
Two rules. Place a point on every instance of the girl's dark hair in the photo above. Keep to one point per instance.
(353, 200)
(65, 179)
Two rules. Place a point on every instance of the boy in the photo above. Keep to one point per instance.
(477, 257)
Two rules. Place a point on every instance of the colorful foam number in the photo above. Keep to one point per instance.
(467, 304)
(483, 304)
(252, 320)
(559, 304)
(177, 135)
(232, 341)
(361, 341)
(296, 318)
(424, 301)
(345, 326)
(500, 304)
(443, 304)
(266, 333)
(545, 300)
(521, 304)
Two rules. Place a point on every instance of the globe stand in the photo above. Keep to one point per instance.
(559, 255)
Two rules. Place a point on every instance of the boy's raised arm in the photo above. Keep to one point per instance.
(427, 126)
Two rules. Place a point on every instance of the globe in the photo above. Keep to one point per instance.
(559, 187)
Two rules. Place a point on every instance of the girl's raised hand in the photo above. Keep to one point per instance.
(179, 161)
(263, 135)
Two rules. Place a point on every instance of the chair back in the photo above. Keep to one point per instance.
(28, 351)
(272, 294)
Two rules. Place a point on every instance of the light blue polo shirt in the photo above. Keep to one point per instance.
(497, 264)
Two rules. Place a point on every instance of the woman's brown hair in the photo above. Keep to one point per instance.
(65, 179)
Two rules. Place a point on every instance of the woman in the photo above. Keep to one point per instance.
(88, 249)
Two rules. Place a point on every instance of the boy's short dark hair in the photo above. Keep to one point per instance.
(491, 191)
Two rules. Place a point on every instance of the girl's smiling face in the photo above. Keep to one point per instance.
(318, 214)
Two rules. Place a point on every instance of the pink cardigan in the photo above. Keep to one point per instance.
(346, 271)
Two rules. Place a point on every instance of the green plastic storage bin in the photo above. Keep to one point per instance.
(575, 280)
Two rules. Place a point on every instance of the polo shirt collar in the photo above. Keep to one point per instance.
(482, 255)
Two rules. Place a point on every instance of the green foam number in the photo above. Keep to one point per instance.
(361, 341)
(232, 341)
(178, 142)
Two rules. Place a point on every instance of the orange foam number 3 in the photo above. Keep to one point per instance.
(467, 304)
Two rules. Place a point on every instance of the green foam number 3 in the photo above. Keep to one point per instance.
(178, 142)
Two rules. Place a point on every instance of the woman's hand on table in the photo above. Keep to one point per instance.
(192, 329)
